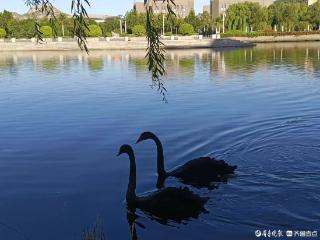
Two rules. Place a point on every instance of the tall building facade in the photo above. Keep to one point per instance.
(181, 8)
(220, 6)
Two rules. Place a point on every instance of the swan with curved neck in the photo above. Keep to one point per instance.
(168, 203)
(199, 172)
(131, 190)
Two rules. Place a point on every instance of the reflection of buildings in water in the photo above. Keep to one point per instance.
(80, 58)
(308, 63)
(180, 64)
(218, 65)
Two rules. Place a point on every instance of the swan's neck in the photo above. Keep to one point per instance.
(131, 191)
(160, 157)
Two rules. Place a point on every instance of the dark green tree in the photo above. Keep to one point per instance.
(314, 15)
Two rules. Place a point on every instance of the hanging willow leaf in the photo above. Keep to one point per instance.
(155, 50)
(46, 7)
(80, 25)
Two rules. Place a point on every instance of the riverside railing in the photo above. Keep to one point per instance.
(109, 39)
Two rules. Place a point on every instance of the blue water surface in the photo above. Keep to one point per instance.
(63, 116)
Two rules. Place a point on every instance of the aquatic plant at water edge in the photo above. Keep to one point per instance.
(96, 232)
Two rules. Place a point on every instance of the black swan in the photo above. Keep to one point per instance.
(199, 172)
(176, 204)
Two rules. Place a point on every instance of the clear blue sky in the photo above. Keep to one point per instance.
(97, 6)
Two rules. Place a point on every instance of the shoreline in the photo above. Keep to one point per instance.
(276, 39)
(191, 42)
(120, 44)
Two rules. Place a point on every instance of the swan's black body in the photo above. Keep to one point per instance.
(199, 172)
(177, 204)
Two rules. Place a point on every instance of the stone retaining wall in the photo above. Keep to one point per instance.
(117, 44)
(267, 39)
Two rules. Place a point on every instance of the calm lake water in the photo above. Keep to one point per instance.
(63, 116)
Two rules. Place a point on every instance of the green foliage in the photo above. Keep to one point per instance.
(108, 34)
(168, 33)
(287, 15)
(46, 31)
(186, 29)
(193, 20)
(110, 25)
(133, 18)
(3, 33)
(247, 15)
(206, 22)
(94, 31)
(314, 15)
(139, 30)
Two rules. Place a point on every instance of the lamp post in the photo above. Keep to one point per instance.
(120, 21)
(163, 13)
(223, 9)
(125, 25)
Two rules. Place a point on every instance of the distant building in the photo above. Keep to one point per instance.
(219, 6)
(99, 18)
(181, 8)
(206, 8)
(139, 7)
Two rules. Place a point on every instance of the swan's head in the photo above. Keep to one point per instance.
(125, 148)
(146, 136)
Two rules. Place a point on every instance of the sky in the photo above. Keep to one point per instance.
(105, 7)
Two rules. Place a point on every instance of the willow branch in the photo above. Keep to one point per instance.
(155, 50)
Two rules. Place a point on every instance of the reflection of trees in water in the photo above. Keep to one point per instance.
(95, 64)
(187, 63)
(255, 58)
(179, 64)
(49, 64)
(140, 63)
(9, 63)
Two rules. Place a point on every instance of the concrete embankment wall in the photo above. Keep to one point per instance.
(271, 39)
(119, 44)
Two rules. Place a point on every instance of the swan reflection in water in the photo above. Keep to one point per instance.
(200, 172)
(170, 204)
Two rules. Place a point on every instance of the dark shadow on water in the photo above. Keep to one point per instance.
(131, 218)
(208, 185)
